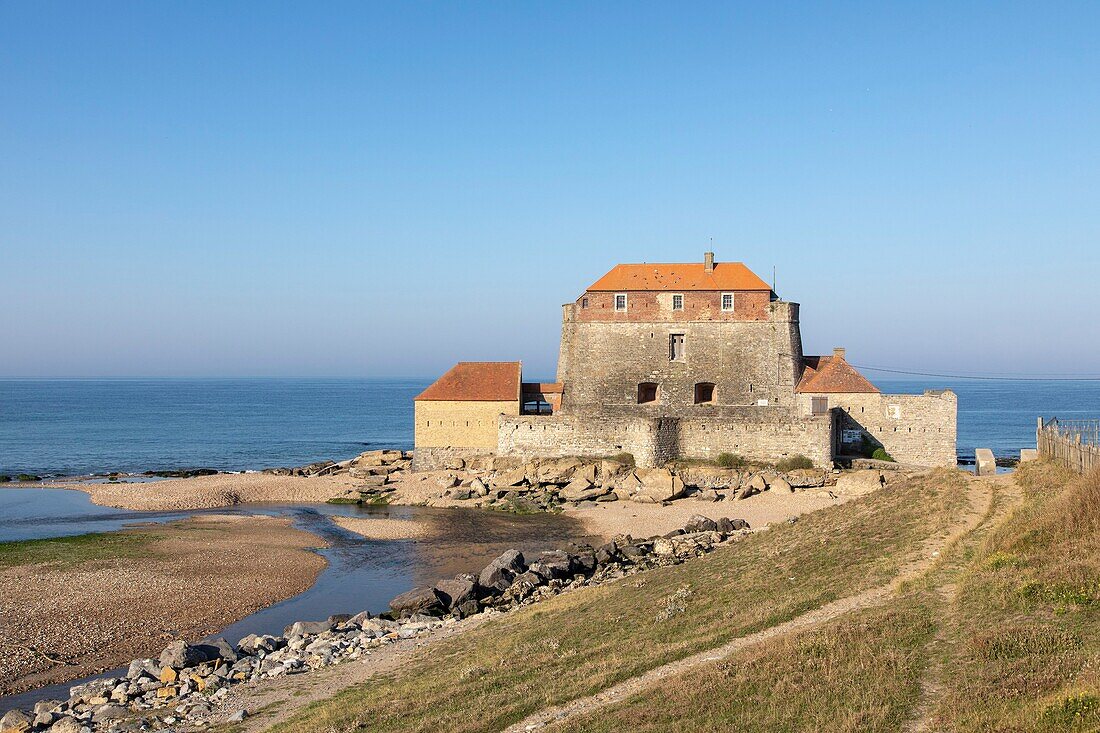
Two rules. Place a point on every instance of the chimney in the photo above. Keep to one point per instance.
(708, 262)
(839, 352)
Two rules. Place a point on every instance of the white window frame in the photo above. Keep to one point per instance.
(733, 302)
(674, 297)
(626, 303)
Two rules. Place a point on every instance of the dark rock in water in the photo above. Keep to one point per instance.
(180, 654)
(418, 600)
(498, 574)
(182, 473)
(455, 592)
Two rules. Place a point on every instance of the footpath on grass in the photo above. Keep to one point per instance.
(980, 493)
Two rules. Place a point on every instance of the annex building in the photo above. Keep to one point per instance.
(688, 360)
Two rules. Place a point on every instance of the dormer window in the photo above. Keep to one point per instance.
(677, 302)
(727, 302)
(620, 301)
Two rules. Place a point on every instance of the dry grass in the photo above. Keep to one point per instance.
(1028, 616)
(579, 643)
(859, 673)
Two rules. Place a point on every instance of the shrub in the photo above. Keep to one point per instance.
(28, 477)
(730, 460)
(794, 462)
(880, 454)
(4, 478)
(627, 459)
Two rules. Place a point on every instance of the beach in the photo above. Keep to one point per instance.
(71, 607)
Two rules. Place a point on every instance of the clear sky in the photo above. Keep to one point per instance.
(211, 188)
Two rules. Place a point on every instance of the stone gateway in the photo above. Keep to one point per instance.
(668, 361)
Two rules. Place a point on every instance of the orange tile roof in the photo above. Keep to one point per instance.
(832, 374)
(685, 276)
(543, 387)
(486, 381)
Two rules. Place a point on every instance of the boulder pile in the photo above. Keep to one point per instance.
(542, 484)
(186, 683)
(510, 581)
(369, 464)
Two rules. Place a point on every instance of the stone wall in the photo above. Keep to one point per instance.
(760, 433)
(915, 429)
(602, 363)
(765, 433)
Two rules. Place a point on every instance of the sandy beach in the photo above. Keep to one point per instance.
(604, 519)
(61, 621)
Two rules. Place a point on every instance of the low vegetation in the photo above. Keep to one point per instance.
(880, 454)
(730, 460)
(75, 550)
(793, 463)
(627, 459)
(579, 643)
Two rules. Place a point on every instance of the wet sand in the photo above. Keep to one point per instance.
(379, 528)
(60, 622)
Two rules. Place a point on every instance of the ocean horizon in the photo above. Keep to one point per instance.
(82, 426)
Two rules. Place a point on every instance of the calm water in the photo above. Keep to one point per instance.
(82, 426)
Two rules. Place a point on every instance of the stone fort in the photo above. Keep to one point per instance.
(667, 361)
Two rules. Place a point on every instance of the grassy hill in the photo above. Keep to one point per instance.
(980, 602)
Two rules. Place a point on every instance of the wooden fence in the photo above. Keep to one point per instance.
(1074, 443)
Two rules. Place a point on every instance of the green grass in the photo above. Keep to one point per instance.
(579, 643)
(343, 500)
(79, 549)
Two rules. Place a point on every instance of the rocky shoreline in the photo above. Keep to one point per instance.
(186, 684)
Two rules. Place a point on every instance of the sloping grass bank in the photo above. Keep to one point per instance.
(579, 643)
(1003, 635)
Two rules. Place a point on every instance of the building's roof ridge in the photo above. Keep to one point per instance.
(486, 381)
(679, 276)
(833, 374)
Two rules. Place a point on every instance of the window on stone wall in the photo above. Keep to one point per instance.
(584, 302)
(677, 302)
(676, 347)
(647, 392)
(727, 301)
(704, 393)
(620, 301)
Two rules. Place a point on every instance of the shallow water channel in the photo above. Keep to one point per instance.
(361, 574)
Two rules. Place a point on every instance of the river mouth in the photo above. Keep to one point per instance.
(361, 574)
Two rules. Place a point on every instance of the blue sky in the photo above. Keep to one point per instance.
(354, 189)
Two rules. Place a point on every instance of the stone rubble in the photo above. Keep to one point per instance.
(543, 484)
(186, 683)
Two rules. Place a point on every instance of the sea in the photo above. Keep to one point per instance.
(77, 427)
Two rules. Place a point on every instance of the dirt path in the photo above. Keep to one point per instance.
(980, 497)
(947, 590)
